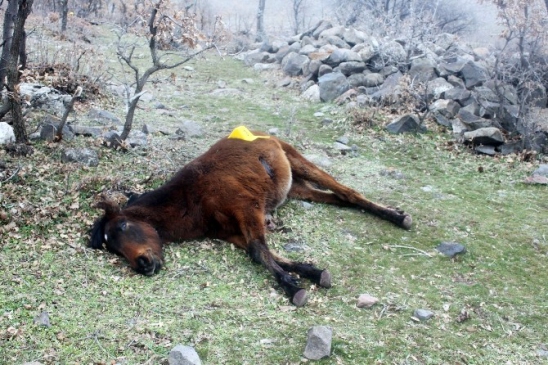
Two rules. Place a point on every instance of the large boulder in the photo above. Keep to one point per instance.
(423, 70)
(342, 55)
(473, 74)
(485, 136)
(409, 123)
(294, 63)
(332, 85)
(352, 67)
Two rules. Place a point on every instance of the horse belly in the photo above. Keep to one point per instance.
(279, 171)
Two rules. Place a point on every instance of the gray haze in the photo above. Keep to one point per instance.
(241, 16)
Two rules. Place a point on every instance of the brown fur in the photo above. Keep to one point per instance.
(226, 194)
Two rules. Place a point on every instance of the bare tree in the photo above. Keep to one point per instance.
(298, 15)
(24, 8)
(126, 53)
(9, 20)
(64, 14)
(261, 35)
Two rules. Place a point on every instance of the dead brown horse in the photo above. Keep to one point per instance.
(226, 194)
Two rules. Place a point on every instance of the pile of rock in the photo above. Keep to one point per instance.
(340, 64)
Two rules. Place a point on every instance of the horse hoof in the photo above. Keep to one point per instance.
(325, 279)
(300, 298)
(407, 222)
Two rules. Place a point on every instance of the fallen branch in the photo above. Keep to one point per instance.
(68, 109)
(412, 248)
(13, 175)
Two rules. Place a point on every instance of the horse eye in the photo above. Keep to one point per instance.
(106, 238)
(122, 226)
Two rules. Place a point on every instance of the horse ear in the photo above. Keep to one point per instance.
(109, 207)
(98, 229)
(98, 233)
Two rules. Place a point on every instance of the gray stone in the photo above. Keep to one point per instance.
(510, 147)
(332, 85)
(260, 67)
(42, 319)
(341, 146)
(80, 130)
(318, 345)
(84, 156)
(191, 129)
(342, 55)
(104, 117)
(253, 57)
(542, 170)
(366, 301)
(312, 94)
(452, 66)
(473, 74)
(458, 94)
(183, 355)
(393, 52)
(423, 314)
(436, 87)
(48, 132)
(451, 249)
(324, 70)
(137, 138)
(447, 108)
(486, 150)
(373, 79)
(352, 36)
(320, 161)
(485, 136)
(351, 67)
(343, 140)
(408, 123)
(337, 31)
(294, 63)
(442, 119)
(337, 42)
(422, 70)
(388, 92)
(6, 133)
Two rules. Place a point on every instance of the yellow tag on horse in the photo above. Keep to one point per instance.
(242, 132)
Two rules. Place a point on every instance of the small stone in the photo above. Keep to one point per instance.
(542, 170)
(366, 301)
(318, 345)
(451, 249)
(307, 205)
(423, 314)
(542, 353)
(341, 147)
(85, 156)
(42, 319)
(343, 140)
(184, 355)
(274, 131)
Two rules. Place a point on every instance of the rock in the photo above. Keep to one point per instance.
(274, 131)
(352, 36)
(485, 136)
(366, 301)
(343, 140)
(85, 156)
(457, 94)
(351, 67)
(408, 123)
(389, 90)
(318, 345)
(80, 130)
(485, 150)
(510, 147)
(541, 171)
(542, 353)
(373, 79)
(342, 55)
(103, 117)
(183, 355)
(451, 249)
(341, 147)
(137, 138)
(312, 94)
(332, 85)
(423, 314)
(473, 74)
(317, 160)
(112, 139)
(447, 108)
(536, 179)
(422, 70)
(190, 129)
(294, 63)
(48, 132)
(256, 56)
(392, 52)
(436, 87)
(42, 319)
(6, 133)
(32, 363)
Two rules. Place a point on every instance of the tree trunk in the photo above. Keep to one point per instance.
(546, 3)
(19, 129)
(9, 20)
(64, 15)
(261, 36)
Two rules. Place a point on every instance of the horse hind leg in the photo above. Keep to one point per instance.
(305, 174)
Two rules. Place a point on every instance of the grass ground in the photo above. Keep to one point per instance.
(490, 305)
